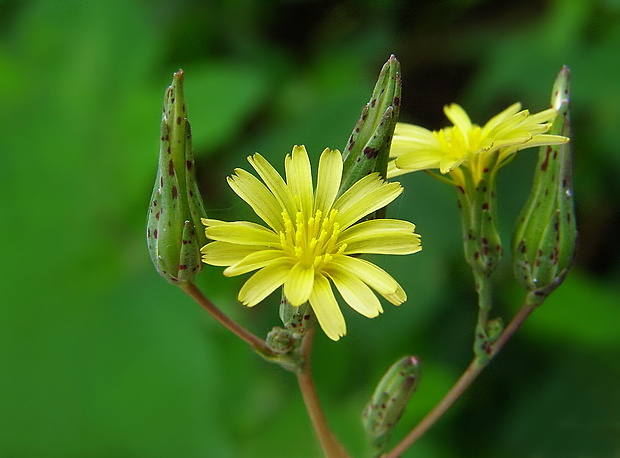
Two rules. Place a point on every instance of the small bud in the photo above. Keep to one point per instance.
(296, 320)
(389, 400)
(280, 341)
(545, 239)
(494, 329)
(174, 234)
(368, 147)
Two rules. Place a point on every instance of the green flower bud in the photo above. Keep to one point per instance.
(368, 147)
(280, 341)
(389, 400)
(478, 209)
(174, 231)
(296, 320)
(494, 329)
(544, 242)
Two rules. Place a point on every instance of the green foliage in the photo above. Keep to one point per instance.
(101, 357)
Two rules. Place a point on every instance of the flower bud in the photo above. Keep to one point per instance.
(389, 400)
(174, 234)
(544, 242)
(478, 210)
(280, 341)
(297, 320)
(368, 147)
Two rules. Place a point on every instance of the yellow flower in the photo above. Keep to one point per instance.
(467, 146)
(311, 238)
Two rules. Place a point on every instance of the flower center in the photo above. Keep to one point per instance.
(311, 241)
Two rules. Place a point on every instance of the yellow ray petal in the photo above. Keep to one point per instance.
(225, 254)
(264, 282)
(326, 309)
(299, 179)
(299, 283)
(256, 194)
(356, 293)
(328, 180)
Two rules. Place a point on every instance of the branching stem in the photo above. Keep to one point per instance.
(466, 379)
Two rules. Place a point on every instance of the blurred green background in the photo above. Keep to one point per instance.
(100, 357)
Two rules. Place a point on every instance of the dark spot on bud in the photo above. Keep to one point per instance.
(172, 99)
(485, 206)
(373, 102)
(357, 130)
(154, 203)
(189, 165)
(358, 159)
(370, 152)
(186, 242)
(306, 317)
(175, 192)
(155, 233)
(191, 193)
(148, 231)
(523, 248)
(476, 255)
(462, 191)
(179, 120)
(157, 214)
(171, 168)
(161, 182)
(396, 101)
(182, 266)
(484, 241)
(485, 170)
(545, 163)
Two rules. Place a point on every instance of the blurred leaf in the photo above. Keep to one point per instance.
(582, 311)
(221, 96)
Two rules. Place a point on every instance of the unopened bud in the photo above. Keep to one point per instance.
(297, 320)
(280, 341)
(545, 239)
(390, 398)
(174, 234)
(368, 147)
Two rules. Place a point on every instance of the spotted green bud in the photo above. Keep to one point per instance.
(280, 341)
(297, 320)
(174, 234)
(478, 210)
(368, 147)
(389, 400)
(544, 242)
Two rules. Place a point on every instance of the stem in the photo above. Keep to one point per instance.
(467, 378)
(255, 342)
(482, 345)
(329, 443)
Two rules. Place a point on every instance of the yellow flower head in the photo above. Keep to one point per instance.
(469, 146)
(311, 238)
